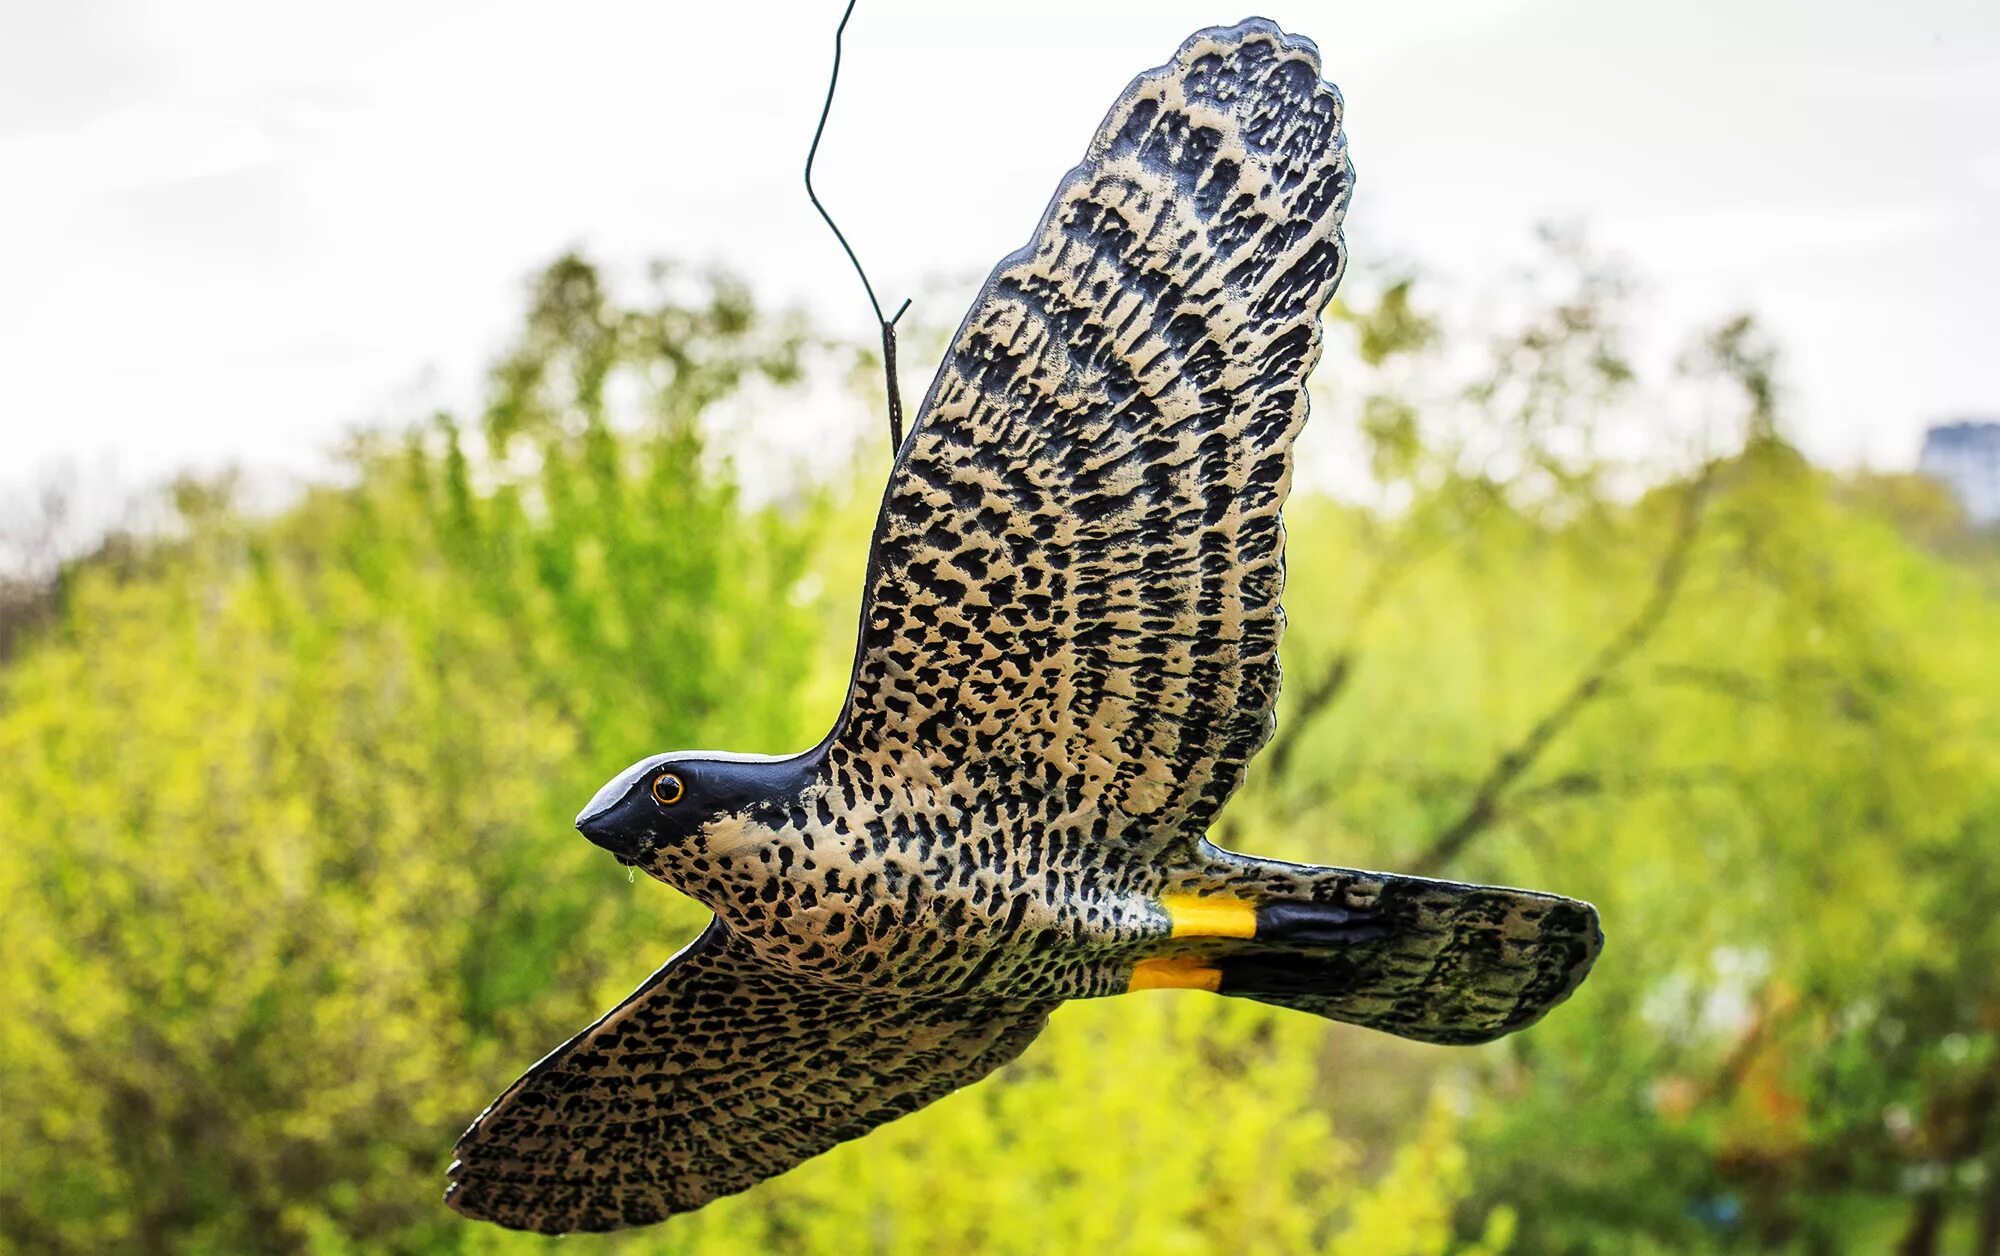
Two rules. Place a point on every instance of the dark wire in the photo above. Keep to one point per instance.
(888, 324)
(825, 111)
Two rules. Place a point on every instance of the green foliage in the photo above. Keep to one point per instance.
(290, 879)
(1150, 1124)
(290, 888)
(1757, 725)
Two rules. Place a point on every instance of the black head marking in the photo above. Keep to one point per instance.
(663, 802)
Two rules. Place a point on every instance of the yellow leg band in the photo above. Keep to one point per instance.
(1179, 972)
(1195, 917)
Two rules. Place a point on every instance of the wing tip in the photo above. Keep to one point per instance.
(1254, 27)
(1565, 950)
(1291, 45)
(1211, 40)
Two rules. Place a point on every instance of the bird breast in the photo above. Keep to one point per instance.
(871, 903)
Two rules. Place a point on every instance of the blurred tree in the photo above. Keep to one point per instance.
(290, 888)
(1740, 711)
(288, 872)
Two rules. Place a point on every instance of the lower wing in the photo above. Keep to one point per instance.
(718, 1072)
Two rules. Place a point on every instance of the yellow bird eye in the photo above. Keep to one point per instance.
(668, 789)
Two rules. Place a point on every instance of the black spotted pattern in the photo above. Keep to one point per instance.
(717, 1073)
(1073, 598)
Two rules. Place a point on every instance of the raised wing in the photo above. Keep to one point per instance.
(1073, 593)
(717, 1073)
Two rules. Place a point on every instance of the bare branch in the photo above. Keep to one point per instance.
(1668, 578)
(1404, 557)
(1318, 695)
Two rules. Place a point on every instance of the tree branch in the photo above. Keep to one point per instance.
(1318, 695)
(1404, 556)
(1485, 806)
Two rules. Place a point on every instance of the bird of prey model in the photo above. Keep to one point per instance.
(1068, 654)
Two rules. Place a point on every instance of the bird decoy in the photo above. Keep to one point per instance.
(1068, 654)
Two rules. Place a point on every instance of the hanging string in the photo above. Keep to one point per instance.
(888, 325)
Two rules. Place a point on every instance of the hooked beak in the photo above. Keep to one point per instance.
(602, 829)
(618, 818)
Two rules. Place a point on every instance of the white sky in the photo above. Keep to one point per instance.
(230, 230)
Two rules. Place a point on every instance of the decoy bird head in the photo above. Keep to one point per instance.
(670, 811)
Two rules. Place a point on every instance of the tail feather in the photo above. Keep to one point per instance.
(1437, 961)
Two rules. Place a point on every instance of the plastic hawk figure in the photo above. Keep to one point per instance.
(1068, 655)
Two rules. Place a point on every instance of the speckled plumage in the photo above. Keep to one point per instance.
(1068, 655)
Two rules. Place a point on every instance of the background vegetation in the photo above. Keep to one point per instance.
(291, 891)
